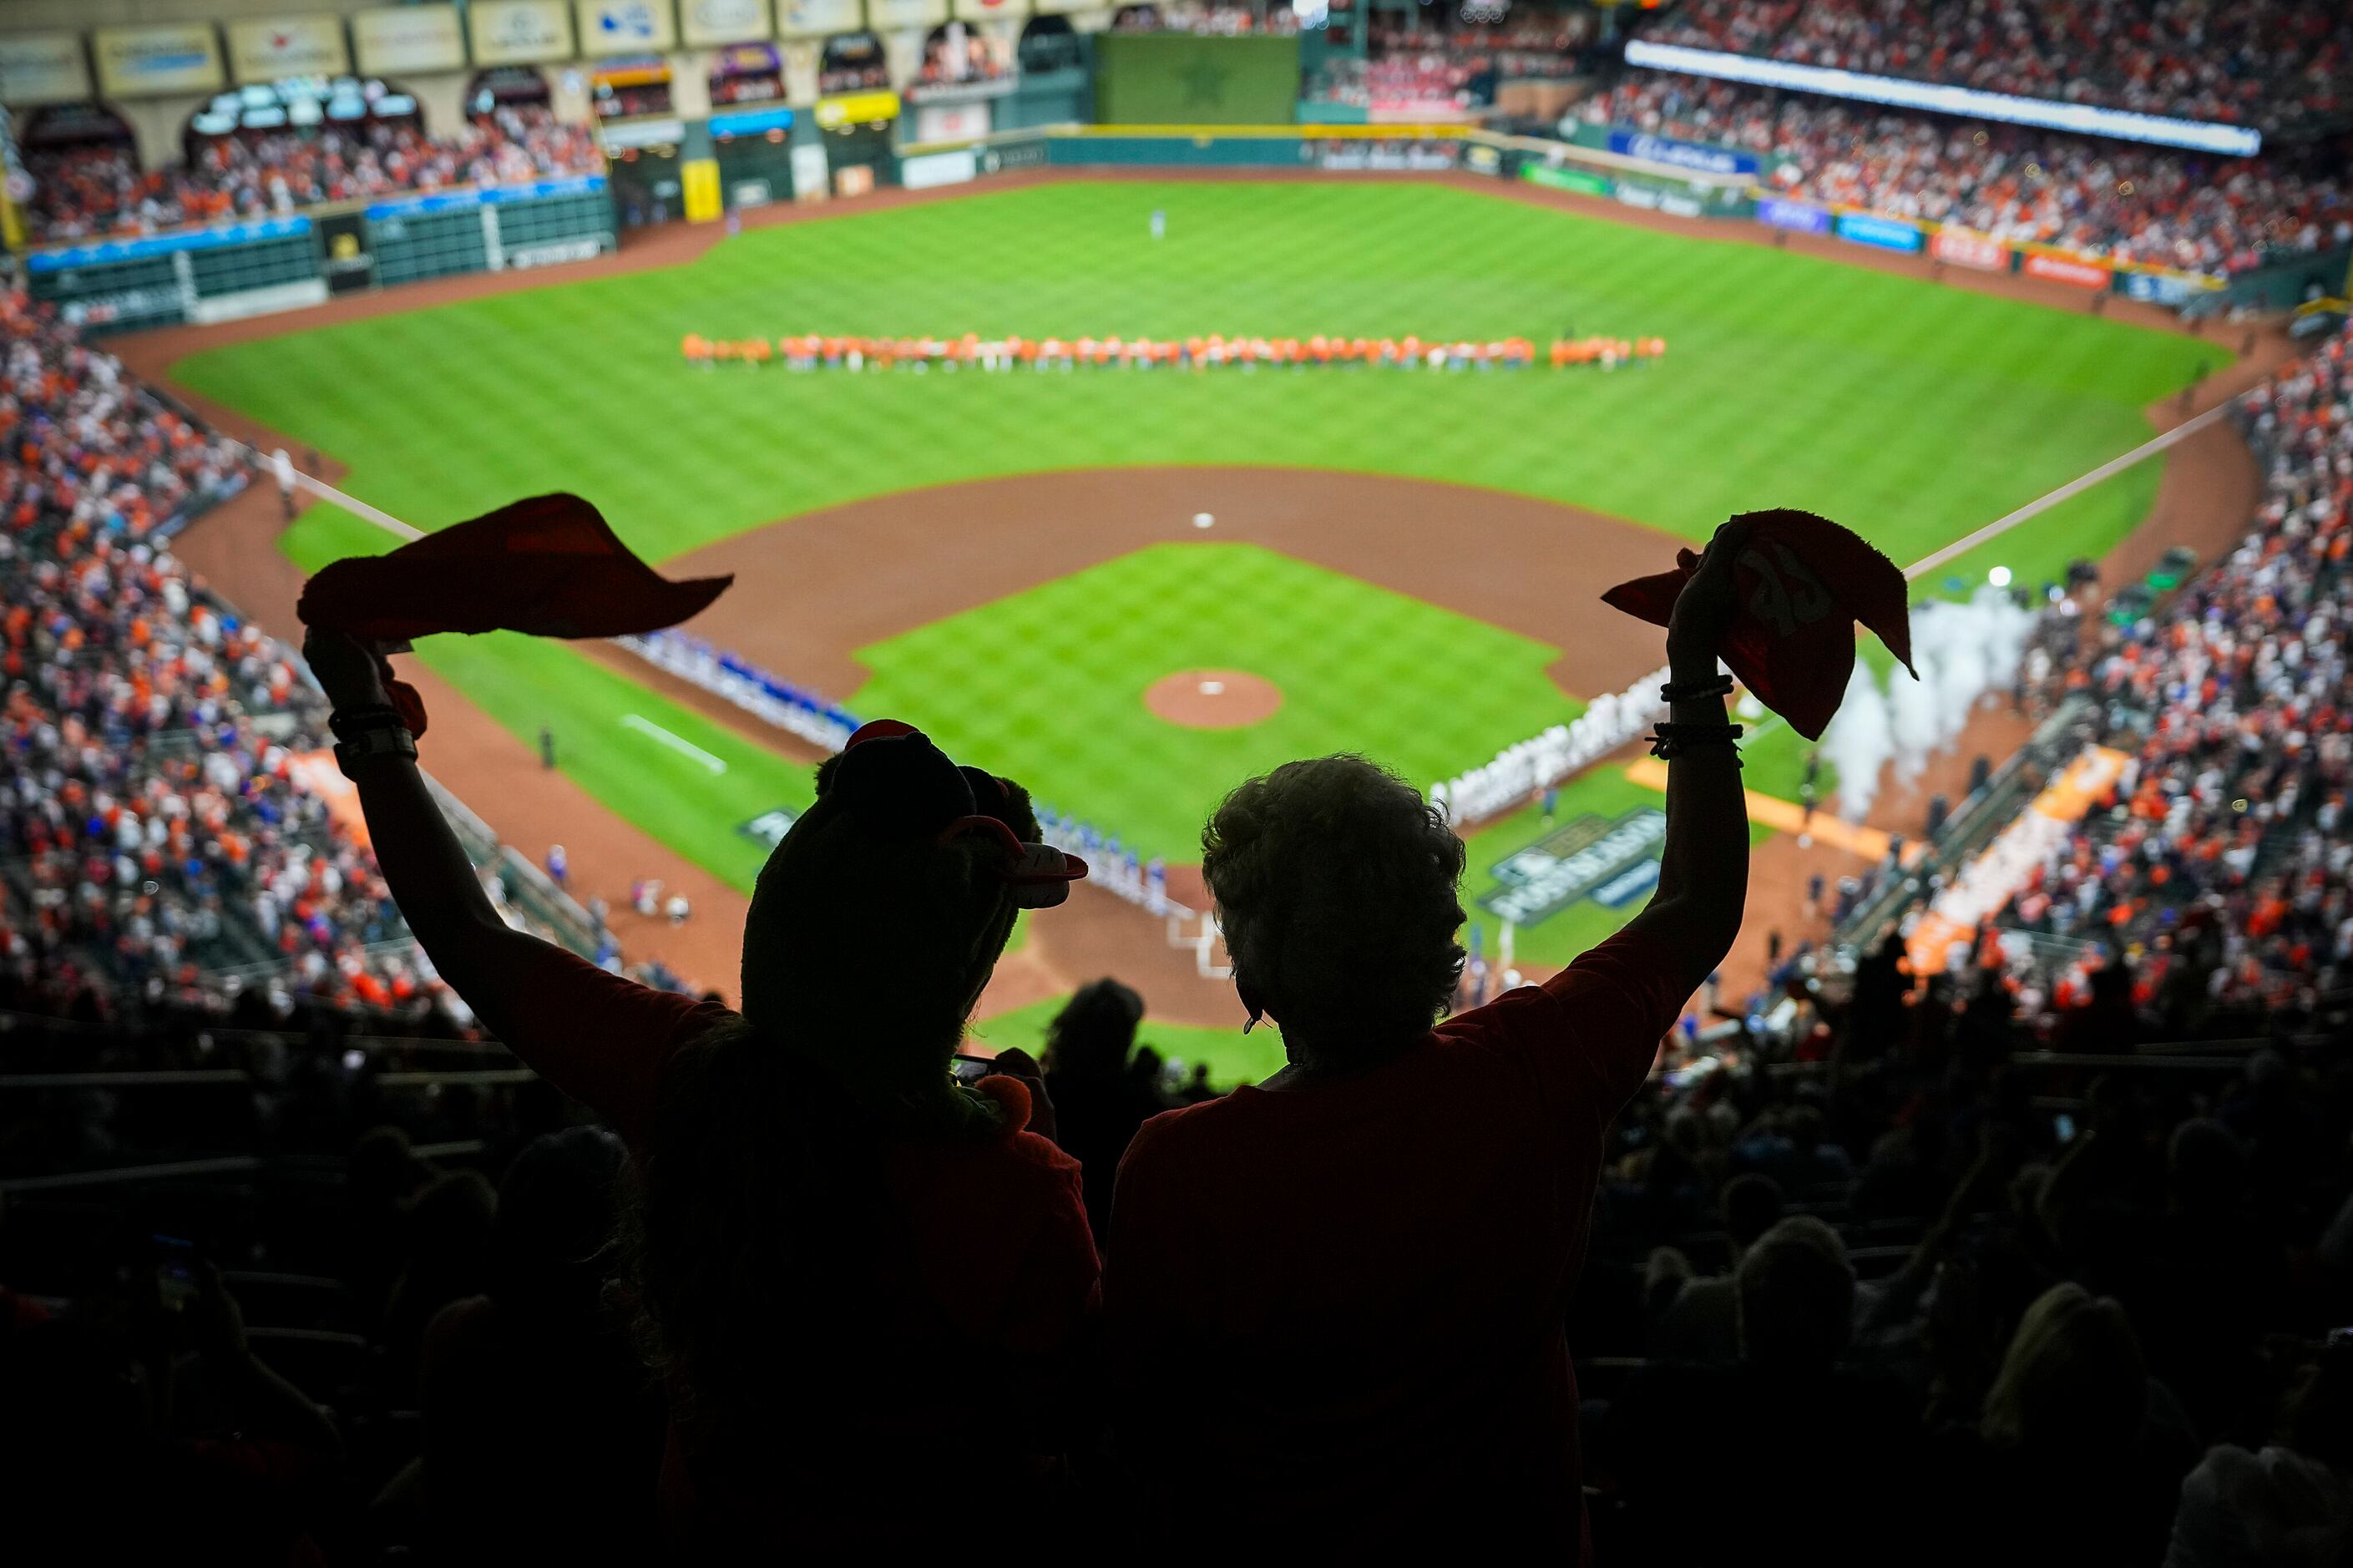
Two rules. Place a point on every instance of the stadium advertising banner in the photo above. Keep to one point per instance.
(1695, 155)
(403, 40)
(271, 48)
(2073, 271)
(818, 18)
(1567, 177)
(519, 32)
(933, 169)
(882, 14)
(1800, 217)
(1611, 863)
(857, 109)
(43, 68)
(1886, 232)
(625, 27)
(1963, 249)
(2164, 287)
(99, 253)
(148, 62)
(711, 23)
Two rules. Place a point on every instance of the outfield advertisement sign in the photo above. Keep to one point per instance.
(485, 196)
(1568, 177)
(2164, 287)
(2073, 271)
(1611, 863)
(930, 168)
(1886, 232)
(1800, 217)
(1694, 155)
(1962, 249)
(769, 828)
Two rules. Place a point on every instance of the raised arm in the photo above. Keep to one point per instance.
(599, 1037)
(441, 897)
(1703, 869)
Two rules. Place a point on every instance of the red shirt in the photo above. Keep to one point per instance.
(999, 1226)
(1339, 1309)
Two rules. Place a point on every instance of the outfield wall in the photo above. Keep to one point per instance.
(228, 271)
(231, 270)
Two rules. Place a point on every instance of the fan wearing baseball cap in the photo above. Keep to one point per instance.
(848, 1270)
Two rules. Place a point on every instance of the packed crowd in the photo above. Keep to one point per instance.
(812, 352)
(2219, 880)
(2097, 198)
(100, 190)
(1208, 19)
(1536, 45)
(2267, 62)
(1428, 83)
(152, 822)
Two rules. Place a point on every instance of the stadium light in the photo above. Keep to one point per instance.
(1999, 576)
(2124, 126)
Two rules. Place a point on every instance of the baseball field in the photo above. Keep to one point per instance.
(1403, 563)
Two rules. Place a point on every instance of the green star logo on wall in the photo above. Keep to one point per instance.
(1204, 83)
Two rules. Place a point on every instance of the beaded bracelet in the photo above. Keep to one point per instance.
(1671, 740)
(1698, 692)
(374, 716)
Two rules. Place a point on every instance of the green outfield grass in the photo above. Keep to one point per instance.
(1911, 412)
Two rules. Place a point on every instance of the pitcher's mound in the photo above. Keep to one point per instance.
(1213, 698)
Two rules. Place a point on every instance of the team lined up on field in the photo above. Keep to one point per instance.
(815, 352)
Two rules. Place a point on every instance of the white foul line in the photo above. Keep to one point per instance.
(266, 462)
(645, 726)
(2075, 486)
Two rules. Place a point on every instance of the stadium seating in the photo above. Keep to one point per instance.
(92, 192)
(2100, 198)
(2226, 872)
(2275, 63)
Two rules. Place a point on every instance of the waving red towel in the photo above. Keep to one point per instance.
(1804, 581)
(550, 566)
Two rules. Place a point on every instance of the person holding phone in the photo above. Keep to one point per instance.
(1364, 1264)
(851, 1271)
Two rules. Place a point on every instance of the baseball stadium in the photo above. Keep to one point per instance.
(1916, 1073)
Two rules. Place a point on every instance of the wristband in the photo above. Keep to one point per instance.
(376, 740)
(360, 720)
(1695, 691)
(1673, 741)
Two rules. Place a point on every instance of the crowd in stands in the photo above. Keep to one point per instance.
(813, 351)
(2098, 198)
(1208, 19)
(101, 189)
(1531, 45)
(1885, 1281)
(2218, 880)
(1408, 84)
(2267, 62)
(152, 826)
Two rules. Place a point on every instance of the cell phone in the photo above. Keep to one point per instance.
(176, 1272)
(2064, 1125)
(970, 1070)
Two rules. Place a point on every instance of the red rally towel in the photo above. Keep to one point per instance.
(550, 566)
(1803, 583)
